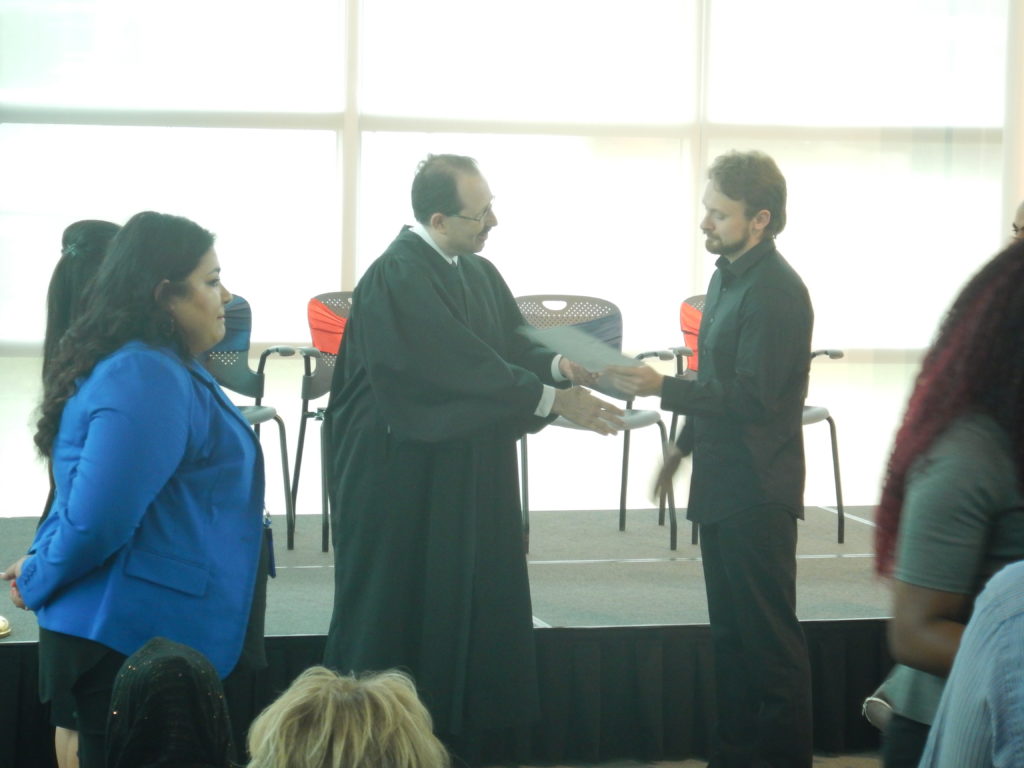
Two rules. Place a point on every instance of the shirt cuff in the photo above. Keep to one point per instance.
(547, 399)
(556, 373)
(674, 392)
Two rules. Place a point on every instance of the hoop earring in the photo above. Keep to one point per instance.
(169, 326)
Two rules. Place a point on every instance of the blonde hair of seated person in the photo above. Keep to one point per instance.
(326, 720)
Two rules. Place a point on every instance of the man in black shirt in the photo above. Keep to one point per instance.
(744, 428)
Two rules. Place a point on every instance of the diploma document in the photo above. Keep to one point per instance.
(580, 347)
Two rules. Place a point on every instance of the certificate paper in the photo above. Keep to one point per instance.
(578, 346)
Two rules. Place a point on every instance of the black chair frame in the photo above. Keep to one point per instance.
(318, 370)
(231, 370)
(318, 373)
(537, 311)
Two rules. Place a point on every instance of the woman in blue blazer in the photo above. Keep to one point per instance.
(156, 525)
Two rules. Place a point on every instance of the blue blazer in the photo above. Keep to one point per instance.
(156, 523)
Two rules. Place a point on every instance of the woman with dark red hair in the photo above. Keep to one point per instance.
(952, 511)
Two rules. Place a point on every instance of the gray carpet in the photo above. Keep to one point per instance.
(583, 572)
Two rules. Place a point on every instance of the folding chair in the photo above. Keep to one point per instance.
(603, 320)
(328, 314)
(228, 362)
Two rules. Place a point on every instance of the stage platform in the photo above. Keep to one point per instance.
(622, 641)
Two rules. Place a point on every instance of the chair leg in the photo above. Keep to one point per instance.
(289, 508)
(525, 492)
(625, 478)
(670, 494)
(664, 455)
(297, 468)
(325, 518)
(840, 512)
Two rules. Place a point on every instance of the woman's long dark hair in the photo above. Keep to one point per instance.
(121, 305)
(976, 363)
(83, 246)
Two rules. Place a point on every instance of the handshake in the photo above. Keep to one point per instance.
(579, 406)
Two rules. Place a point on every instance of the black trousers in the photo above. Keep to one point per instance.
(762, 671)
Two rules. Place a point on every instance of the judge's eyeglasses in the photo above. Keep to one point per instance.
(486, 212)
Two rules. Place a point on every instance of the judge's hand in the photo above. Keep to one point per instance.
(663, 483)
(576, 373)
(581, 407)
(639, 380)
(11, 573)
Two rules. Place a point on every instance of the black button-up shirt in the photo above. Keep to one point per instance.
(746, 405)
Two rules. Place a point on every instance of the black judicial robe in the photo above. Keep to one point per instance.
(433, 387)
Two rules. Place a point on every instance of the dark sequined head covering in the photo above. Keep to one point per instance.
(168, 709)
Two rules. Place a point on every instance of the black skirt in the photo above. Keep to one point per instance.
(76, 675)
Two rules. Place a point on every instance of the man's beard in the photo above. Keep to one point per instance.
(719, 248)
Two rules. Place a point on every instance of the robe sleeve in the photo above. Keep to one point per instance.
(433, 377)
(522, 350)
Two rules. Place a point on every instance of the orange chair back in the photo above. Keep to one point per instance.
(326, 326)
(690, 313)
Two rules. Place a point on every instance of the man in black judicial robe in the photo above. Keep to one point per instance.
(433, 387)
(744, 427)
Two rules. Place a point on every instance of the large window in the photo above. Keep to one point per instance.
(270, 196)
(549, 61)
(593, 120)
(912, 63)
(576, 214)
(188, 55)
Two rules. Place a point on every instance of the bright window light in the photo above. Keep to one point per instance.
(595, 216)
(885, 232)
(269, 196)
(223, 55)
(529, 60)
(874, 62)
(593, 121)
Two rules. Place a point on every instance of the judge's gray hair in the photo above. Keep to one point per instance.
(434, 189)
